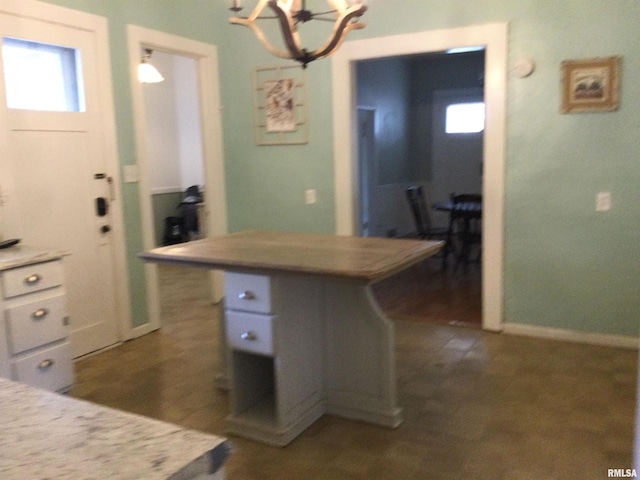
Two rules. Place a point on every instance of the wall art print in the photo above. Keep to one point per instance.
(590, 85)
(280, 105)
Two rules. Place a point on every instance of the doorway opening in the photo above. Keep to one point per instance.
(493, 37)
(174, 149)
(180, 147)
(402, 140)
(418, 140)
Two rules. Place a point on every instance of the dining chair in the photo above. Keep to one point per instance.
(465, 227)
(424, 229)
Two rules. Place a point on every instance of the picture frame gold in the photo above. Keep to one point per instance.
(590, 85)
(280, 115)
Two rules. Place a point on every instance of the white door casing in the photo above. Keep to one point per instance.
(55, 165)
(215, 215)
(495, 38)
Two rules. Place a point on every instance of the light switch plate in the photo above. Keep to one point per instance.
(130, 173)
(603, 201)
(310, 196)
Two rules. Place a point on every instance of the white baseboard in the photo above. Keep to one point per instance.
(620, 341)
(139, 331)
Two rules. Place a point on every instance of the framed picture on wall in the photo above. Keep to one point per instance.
(280, 105)
(590, 85)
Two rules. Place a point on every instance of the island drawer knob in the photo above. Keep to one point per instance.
(40, 314)
(249, 336)
(43, 365)
(33, 279)
(247, 295)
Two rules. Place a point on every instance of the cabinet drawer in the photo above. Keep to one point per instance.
(50, 368)
(250, 332)
(32, 278)
(251, 293)
(36, 323)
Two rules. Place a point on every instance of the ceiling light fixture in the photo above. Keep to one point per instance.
(344, 14)
(147, 73)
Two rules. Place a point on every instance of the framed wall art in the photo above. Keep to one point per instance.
(280, 105)
(590, 85)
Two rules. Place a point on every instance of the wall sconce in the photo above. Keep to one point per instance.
(291, 13)
(147, 73)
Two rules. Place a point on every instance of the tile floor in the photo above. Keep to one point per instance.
(477, 405)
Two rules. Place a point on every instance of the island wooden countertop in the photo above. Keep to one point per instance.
(361, 258)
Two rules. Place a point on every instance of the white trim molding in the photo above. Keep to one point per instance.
(495, 39)
(575, 336)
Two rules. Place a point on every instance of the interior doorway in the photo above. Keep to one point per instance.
(174, 147)
(494, 38)
(204, 141)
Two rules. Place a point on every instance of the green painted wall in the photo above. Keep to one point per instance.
(566, 266)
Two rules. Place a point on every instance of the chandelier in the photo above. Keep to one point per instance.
(291, 13)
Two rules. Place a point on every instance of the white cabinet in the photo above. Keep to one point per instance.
(34, 327)
(275, 358)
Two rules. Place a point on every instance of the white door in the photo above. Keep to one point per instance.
(54, 167)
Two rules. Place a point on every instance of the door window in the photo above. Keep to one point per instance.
(43, 77)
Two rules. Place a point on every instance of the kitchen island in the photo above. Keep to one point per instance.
(48, 435)
(304, 333)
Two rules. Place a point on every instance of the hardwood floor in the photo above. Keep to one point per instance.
(427, 293)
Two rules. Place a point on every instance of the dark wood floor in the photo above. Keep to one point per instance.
(427, 293)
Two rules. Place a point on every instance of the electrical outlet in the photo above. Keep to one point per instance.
(603, 201)
(310, 196)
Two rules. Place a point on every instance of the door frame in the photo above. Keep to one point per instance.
(495, 38)
(99, 27)
(206, 56)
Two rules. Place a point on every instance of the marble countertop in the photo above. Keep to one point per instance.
(361, 258)
(21, 255)
(44, 435)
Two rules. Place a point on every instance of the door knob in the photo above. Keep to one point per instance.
(105, 229)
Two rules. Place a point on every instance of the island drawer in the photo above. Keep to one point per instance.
(51, 368)
(250, 332)
(37, 323)
(32, 278)
(248, 292)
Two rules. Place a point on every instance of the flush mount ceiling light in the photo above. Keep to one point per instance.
(344, 14)
(147, 73)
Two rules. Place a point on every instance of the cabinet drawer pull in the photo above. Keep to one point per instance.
(45, 364)
(33, 279)
(249, 336)
(247, 295)
(40, 314)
